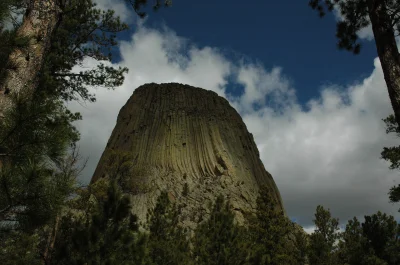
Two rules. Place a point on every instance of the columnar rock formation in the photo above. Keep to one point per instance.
(192, 143)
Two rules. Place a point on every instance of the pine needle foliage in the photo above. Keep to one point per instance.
(167, 239)
(219, 239)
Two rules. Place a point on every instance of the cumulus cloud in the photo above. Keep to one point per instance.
(329, 153)
(120, 8)
(325, 152)
(262, 87)
(161, 56)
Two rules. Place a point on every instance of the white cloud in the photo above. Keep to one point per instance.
(327, 154)
(260, 85)
(161, 56)
(125, 13)
(309, 230)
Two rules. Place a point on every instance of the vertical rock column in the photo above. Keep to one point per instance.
(187, 138)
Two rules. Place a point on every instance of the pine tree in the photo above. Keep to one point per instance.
(322, 247)
(35, 134)
(392, 154)
(37, 174)
(100, 229)
(6, 7)
(384, 17)
(383, 237)
(270, 232)
(376, 241)
(32, 196)
(10, 10)
(298, 244)
(219, 239)
(21, 248)
(167, 240)
(352, 244)
(43, 22)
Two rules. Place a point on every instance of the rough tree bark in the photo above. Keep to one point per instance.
(24, 63)
(387, 51)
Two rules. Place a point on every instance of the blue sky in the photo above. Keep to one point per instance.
(315, 112)
(284, 33)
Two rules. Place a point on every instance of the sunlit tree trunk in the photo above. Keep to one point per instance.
(387, 51)
(24, 62)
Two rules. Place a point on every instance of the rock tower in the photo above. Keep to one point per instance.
(191, 143)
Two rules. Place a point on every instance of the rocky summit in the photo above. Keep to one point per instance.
(190, 142)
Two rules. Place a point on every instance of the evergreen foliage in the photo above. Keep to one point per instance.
(352, 244)
(101, 230)
(46, 219)
(269, 232)
(83, 32)
(138, 5)
(297, 246)
(10, 10)
(382, 235)
(36, 172)
(356, 16)
(374, 242)
(384, 18)
(167, 240)
(392, 154)
(5, 11)
(121, 167)
(322, 247)
(219, 240)
(37, 131)
(21, 248)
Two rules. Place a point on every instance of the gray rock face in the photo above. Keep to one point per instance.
(192, 143)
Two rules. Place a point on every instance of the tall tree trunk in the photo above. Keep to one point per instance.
(387, 51)
(51, 241)
(24, 63)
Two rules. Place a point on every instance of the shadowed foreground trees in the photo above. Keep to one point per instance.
(376, 241)
(38, 158)
(56, 36)
(392, 155)
(98, 227)
(219, 240)
(168, 241)
(322, 247)
(269, 233)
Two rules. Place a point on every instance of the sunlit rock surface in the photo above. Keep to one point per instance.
(185, 136)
